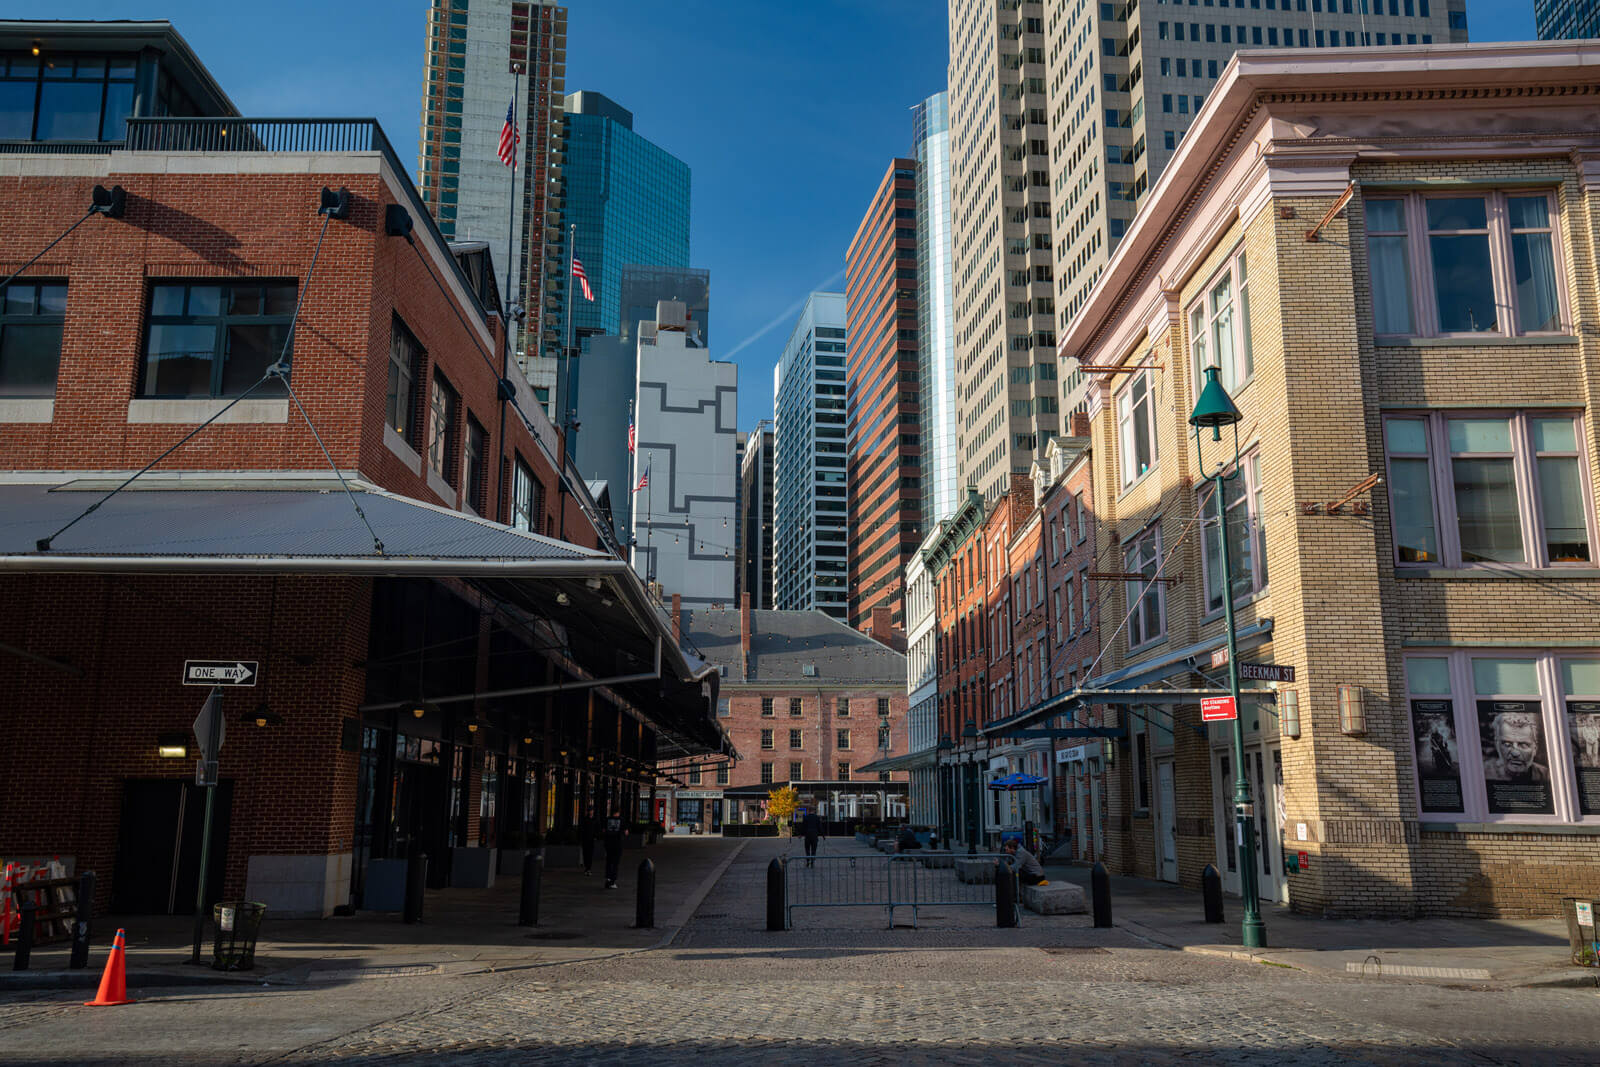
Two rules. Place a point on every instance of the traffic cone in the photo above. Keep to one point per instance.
(114, 982)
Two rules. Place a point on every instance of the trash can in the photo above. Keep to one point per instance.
(1582, 934)
(238, 925)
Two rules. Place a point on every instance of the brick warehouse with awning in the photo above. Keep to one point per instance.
(449, 653)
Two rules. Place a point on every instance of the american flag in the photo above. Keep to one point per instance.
(583, 279)
(633, 435)
(644, 479)
(509, 136)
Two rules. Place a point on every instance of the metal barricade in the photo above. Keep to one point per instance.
(891, 882)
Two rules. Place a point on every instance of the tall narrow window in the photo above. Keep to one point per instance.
(31, 319)
(1463, 281)
(400, 405)
(523, 513)
(1145, 599)
(1561, 498)
(1533, 266)
(1487, 521)
(1136, 429)
(1241, 504)
(443, 412)
(476, 473)
(1516, 766)
(1580, 689)
(1411, 491)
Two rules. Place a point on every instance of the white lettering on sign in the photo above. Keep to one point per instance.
(1585, 912)
(1217, 709)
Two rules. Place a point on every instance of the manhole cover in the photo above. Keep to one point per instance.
(355, 974)
(554, 935)
(1086, 950)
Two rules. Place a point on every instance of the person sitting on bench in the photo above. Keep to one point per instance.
(1025, 863)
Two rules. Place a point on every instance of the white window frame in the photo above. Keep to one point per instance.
(1083, 518)
(1127, 415)
(1207, 325)
(1083, 577)
(1530, 511)
(1248, 469)
(1137, 638)
(1419, 262)
(1072, 608)
(1558, 756)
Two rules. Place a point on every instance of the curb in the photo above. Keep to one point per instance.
(681, 918)
(29, 981)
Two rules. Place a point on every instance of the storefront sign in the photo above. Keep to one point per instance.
(1217, 709)
(1433, 727)
(698, 794)
(1516, 764)
(1068, 755)
(1265, 672)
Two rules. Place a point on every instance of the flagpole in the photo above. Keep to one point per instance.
(502, 504)
(563, 415)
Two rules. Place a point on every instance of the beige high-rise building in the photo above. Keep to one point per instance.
(1062, 115)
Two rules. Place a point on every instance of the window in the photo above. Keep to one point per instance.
(1136, 429)
(1219, 329)
(842, 739)
(1083, 583)
(65, 98)
(883, 707)
(1245, 532)
(1486, 488)
(1072, 607)
(1464, 265)
(1146, 619)
(1083, 518)
(405, 360)
(694, 774)
(210, 340)
(31, 318)
(724, 709)
(527, 499)
(766, 706)
(794, 705)
(476, 474)
(795, 739)
(797, 770)
(1535, 716)
(444, 406)
(722, 774)
(766, 772)
(1141, 765)
(841, 707)
(844, 772)
(766, 739)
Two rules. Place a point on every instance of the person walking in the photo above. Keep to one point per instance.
(811, 830)
(587, 830)
(613, 842)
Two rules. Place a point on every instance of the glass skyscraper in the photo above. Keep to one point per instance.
(936, 323)
(1566, 19)
(629, 199)
(810, 527)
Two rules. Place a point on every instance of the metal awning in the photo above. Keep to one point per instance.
(911, 761)
(1126, 685)
(612, 627)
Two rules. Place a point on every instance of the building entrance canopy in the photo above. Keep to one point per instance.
(610, 627)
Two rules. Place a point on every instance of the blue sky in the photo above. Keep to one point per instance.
(787, 113)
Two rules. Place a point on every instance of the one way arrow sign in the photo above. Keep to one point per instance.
(220, 672)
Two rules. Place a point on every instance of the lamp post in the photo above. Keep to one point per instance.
(942, 783)
(1214, 410)
(969, 732)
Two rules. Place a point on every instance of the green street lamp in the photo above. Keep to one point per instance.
(1214, 410)
(969, 732)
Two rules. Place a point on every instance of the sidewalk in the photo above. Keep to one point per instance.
(463, 931)
(1500, 952)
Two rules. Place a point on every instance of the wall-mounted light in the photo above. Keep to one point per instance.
(527, 741)
(1352, 710)
(173, 745)
(35, 48)
(263, 717)
(1289, 713)
(563, 599)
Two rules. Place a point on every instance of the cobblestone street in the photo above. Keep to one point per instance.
(840, 985)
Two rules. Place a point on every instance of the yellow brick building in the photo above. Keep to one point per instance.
(1389, 254)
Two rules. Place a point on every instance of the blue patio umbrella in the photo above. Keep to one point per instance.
(1012, 782)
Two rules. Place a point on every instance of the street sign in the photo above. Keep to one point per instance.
(210, 743)
(1585, 909)
(205, 772)
(1265, 672)
(220, 671)
(1217, 709)
(1219, 656)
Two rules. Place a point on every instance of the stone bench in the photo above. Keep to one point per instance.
(1057, 898)
(975, 871)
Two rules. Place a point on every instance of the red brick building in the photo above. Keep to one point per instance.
(883, 404)
(445, 655)
(806, 701)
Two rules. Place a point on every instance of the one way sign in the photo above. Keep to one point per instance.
(220, 672)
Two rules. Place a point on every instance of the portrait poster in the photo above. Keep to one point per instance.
(1583, 723)
(1433, 725)
(1516, 764)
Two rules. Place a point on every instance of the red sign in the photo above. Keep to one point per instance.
(1305, 861)
(1217, 709)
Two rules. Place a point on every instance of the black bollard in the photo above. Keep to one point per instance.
(644, 909)
(532, 876)
(1100, 885)
(1005, 895)
(25, 936)
(80, 926)
(416, 882)
(1211, 892)
(776, 919)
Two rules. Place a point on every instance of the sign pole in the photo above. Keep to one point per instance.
(214, 705)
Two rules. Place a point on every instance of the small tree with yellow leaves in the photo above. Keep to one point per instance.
(782, 804)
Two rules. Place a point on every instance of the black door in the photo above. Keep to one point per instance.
(158, 850)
